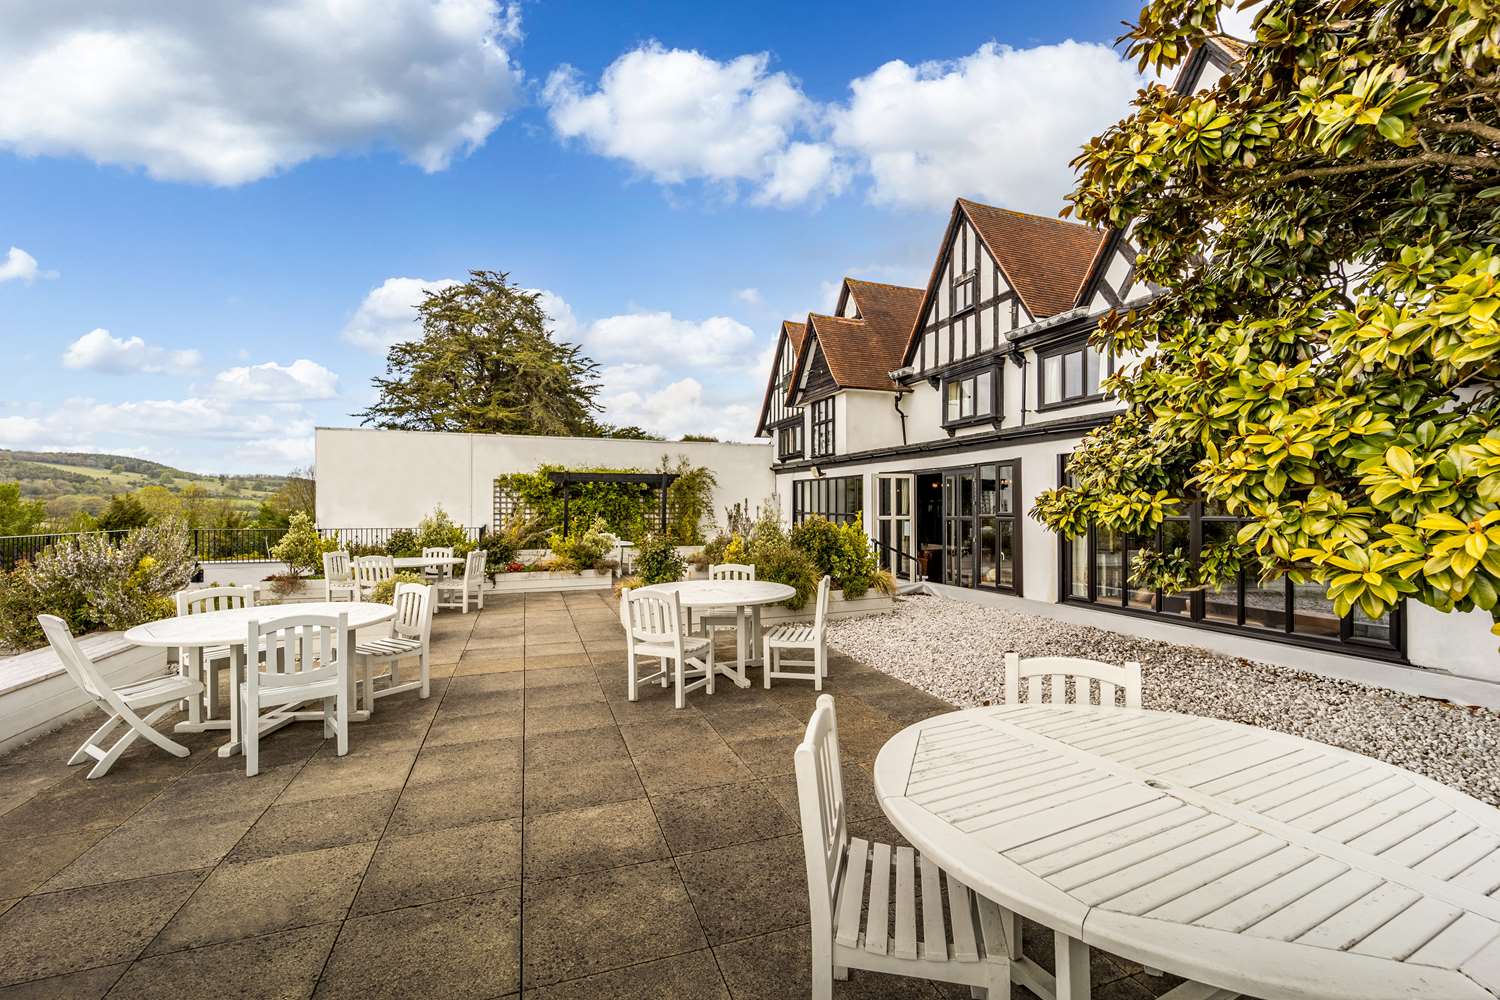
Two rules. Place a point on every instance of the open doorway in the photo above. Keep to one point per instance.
(930, 525)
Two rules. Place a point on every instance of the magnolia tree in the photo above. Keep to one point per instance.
(1322, 361)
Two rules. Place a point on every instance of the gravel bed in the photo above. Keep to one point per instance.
(953, 649)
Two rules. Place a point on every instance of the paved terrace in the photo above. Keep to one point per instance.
(524, 829)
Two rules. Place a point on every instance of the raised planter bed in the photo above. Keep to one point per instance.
(538, 581)
(873, 603)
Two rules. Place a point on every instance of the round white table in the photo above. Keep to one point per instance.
(426, 562)
(194, 633)
(747, 597)
(1248, 860)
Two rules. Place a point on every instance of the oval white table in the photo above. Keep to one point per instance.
(1252, 861)
(425, 562)
(747, 597)
(194, 633)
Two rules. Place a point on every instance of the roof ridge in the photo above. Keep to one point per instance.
(1026, 215)
(884, 284)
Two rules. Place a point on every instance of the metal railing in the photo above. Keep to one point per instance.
(209, 544)
(903, 565)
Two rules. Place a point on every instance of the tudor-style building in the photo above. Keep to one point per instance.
(940, 439)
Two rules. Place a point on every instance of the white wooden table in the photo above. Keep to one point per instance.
(425, 562)
(1253, 861)
(747, 597)
(194, 633)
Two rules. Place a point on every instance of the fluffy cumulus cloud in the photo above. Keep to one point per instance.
(681, 407)
(230, 93)
(18, 265)
(714, 342)
(388, 314)
(999, 125)
(271, 382)
(101, 351)
(678, 115)
(17, 430)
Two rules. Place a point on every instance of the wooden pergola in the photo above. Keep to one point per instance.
(660, 480)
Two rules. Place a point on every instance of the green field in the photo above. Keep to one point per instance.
(72, 481)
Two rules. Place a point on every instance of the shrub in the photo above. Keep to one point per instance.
(300, 548)
(657, 561)
(633, 582)
(584, 551)
(821, 540)
(93, 584)
(401, 542)
(855, 563)
(284, 585)
(438, 531)
(384, 592)
(778, 561)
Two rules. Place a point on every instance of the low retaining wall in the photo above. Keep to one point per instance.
(873, 603)
(37, 695)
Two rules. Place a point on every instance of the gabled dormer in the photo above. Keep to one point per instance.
(778, 420)
(996, 271)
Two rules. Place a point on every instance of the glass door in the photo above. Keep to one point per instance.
(958, 528)
(894, 527)
(981, 505)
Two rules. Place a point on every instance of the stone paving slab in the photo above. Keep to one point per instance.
(525, 831)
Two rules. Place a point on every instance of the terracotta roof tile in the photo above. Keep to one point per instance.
(794, 329)
(861, 352)
(1045, 260)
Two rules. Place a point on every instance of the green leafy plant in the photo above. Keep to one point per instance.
(585, 551)
(657, 561)
(779, 561)
(1167, 570)
(690, 500)
(1322, 360)
(402, 542)
(437, 531)
(820, 539)
(301, 548)
(384, 592)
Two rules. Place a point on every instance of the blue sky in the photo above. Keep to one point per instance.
(204, 216)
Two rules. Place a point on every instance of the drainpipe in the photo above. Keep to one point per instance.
(896, 402)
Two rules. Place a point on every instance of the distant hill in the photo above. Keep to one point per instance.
(69, 481)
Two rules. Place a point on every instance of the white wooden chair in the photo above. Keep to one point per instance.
(977, 954)
(369, 571)
(711, 618)
(301, 662)
(811, 636)
(203, 664)
(411, 631)
(437, 552)
(456, 593)
(653, 627)
(1060, 669)
(157, 696)
(338, 577)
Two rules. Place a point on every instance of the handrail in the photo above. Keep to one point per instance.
(901, 558)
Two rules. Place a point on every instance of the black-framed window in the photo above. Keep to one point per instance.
(971, 397)
(964, 286)
(822, 427)
(981, 526)
(1071, 374)
(789, 440)
(838, 498)
(1096, 570)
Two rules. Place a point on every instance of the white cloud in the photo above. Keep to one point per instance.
(271, 382)
(230, 93)
(999, 125)
(1239, 23)
(716, 341)
(388, 313)
(100, 351)
(629, 377)
(678, 115)
(21, 430)
(294, 451)
(683, 407)
(563, 323)
(750, 296)
(19, 265)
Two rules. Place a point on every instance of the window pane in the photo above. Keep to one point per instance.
(1371, 629)
(1312, 611)
(903, 497)
(1108, 572)
(953, 401)
(1220, 605)
(988, 543)
(987, 484)
(1078, 578)
(1073, 374)
(885, 497)
(1175, 536)
(982, 403)
(1006, 488)
(1091, 371)
(966, 495)
(1005, 574)
(1143, 598)
(1052, 379)
(966, 551)
(1265, 603)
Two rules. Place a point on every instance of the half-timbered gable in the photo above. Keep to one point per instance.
(1112, 282)
(778, 420)
(997, 271)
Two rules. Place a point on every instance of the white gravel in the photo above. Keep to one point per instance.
(953, 650)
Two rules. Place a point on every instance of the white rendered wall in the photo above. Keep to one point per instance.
(389, 479)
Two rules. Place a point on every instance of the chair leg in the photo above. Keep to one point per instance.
(250, 736)
(426, 686)
(711, 669)
(767, 664)
(820, 667)
(679, 669)
(342, 724)
(631, 692)
(823, 971)
(82, 753)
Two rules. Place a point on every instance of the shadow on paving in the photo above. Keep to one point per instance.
(524, 828)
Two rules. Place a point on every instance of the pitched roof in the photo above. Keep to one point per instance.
(793, 330)
(1044, 260)
(889, 311)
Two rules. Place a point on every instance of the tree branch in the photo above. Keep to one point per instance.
(1477, 129)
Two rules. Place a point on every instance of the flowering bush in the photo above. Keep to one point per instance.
(93, 584)
(301, 548)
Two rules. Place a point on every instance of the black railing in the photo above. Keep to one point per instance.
(901, 564)
(209, 544)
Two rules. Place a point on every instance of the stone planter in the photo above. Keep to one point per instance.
(541, 581)
(873, 603)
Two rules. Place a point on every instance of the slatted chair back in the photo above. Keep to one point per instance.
(195, 602)
(820, 801)
(336, 567)
(651, 616)
(370, 570)
(820, 616)
(1060, 669)
(474, 570)
(413, 602)
(299, 651)
(75, 661)
(731, 571)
